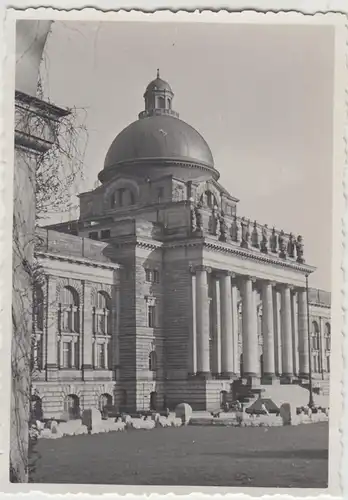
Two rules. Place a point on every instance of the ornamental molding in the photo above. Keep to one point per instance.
(77, 260)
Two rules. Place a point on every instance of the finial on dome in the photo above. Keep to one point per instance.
(158, 75)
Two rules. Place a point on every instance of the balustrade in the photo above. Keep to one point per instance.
(249, 235)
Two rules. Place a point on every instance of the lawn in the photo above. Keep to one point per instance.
(196, 456)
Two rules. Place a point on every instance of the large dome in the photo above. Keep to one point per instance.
(159, 137)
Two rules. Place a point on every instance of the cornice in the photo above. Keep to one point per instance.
(258, 257)
(78, 260)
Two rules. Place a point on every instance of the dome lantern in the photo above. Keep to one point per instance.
(158, 98)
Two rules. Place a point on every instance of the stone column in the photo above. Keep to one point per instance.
(303, 333)
(235, 319)
(192, 346)
(277, 332)
(249, 319)
(226, 325)
(202, 320)
(287, 359)
(216, 355)
(294, 333)
(268, 329)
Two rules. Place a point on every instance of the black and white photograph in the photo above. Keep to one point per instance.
(175, 251)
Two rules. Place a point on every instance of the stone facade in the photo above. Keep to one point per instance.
(198, 300)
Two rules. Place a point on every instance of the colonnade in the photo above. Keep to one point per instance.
(214, 343)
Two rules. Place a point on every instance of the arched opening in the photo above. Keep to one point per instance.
(315, 348)
(208, 199)
(36, 408)
(153, 400)
(72, 406)
(223, 399)
(327, 336)
(152, 361)
(104, 401)
(161, 103)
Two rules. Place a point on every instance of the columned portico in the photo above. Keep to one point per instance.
(202, 320)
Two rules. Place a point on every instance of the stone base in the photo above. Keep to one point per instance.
(287, 378)
(270, 379)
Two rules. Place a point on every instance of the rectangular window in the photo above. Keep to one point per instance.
(66, 361)
(151, 316)
(148, 275)
(93, 235)
(156, 277)
(100, 356)
(105, 234)
(160, 193)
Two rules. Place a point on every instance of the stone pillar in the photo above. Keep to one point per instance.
(235, 319)
(287, 355)
(294, 333)
(277, 332)
(202, 320)
(216, 355)
(226, 325)
(303, 333)
(249, 319)
(268, 329)
(192, 346)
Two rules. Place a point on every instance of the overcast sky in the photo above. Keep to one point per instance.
(260, 95)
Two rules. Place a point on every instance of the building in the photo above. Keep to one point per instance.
(160, 293)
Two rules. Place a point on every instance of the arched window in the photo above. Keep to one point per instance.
(152, 361)
(69, 310)
(69, 327)
(72, 406)
(327, 336)
(102, 330)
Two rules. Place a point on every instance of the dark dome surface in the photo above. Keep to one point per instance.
(159, 137)
(158, 84)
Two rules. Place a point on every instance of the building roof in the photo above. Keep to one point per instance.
(159, 137)
(158, 84)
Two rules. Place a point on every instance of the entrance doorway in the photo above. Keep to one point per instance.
(153, 400)
(72, 406)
